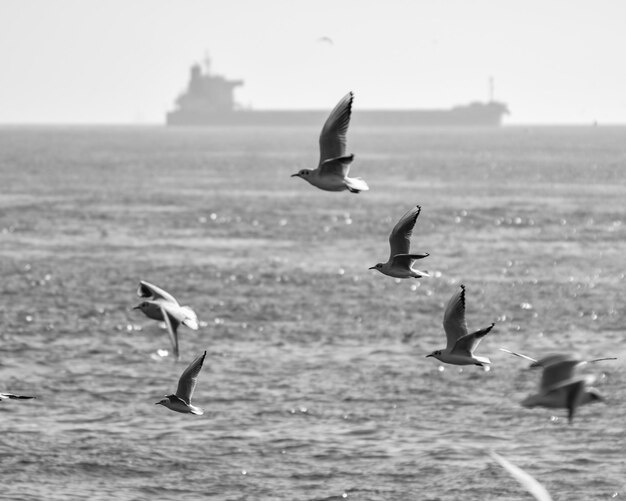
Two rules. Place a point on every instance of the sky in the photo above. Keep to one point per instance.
(125, 61)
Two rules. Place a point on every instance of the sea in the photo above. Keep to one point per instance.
(316, 385)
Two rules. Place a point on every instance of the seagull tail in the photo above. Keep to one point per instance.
(356, 184)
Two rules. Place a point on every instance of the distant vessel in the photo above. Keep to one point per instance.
(209, 100)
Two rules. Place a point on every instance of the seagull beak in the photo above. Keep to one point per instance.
(428, 355)
(295, 175)
(136, 307)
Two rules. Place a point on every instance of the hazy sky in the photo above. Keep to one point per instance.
(125, 61)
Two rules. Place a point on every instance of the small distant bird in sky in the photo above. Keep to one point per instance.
(181, 400)
(461, 345)
(161, 305)
(7, 396)
(400, 263)
(559, 387)
(537, 490)
(327, 40)
(332, 171)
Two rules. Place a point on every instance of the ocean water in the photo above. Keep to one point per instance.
(315, 385)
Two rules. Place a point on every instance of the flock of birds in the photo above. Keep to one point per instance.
(560, 387)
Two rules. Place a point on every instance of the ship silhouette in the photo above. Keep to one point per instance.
(209, 101)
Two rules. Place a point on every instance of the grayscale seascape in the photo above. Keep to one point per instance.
(315, 385)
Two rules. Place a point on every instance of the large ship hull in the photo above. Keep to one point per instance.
(473, 115)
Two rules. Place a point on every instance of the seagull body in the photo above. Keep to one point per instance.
(332, 171)
(181, 400)
(161, 305)
(461, 345)
(7, 396)
(560, 388)
(400, 262)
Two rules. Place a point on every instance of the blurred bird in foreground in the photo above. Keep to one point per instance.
(400, 262)
(181, 400)
(332, 171)
(559, 387)
(161, 305)
(461, 345)
(537, 490)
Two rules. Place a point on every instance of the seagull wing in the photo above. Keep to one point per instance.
(336, 166)
(172, 329)
(538, 491)
(467, 344)
(454, 318)
(152, 292)
(556, 373)
(333, 135)
(407, 260)
(518, 354)
(4, 396)
(400, 237)
(189, 378)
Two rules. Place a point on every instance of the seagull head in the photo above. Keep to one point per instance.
(436, 354)
(141, 306)
(163, 401)
(378, 267)
(303, 173)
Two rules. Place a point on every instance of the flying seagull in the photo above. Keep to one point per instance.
(537, 490)
(7, 396)
(332, 171)
(559, 387)
(461, 345)
(161, 305)
(400, 262)
(181, 400)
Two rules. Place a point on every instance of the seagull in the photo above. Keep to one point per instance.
(161, 305)
(559, 387)
(537, 490)
(461, 345)
(181, 400)
(546, 360)
(7, 396)
(400, 263)
(332, 171)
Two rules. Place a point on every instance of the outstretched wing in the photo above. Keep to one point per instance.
(467, 344)
(454, 318)
(400, 237)
(556, 372)
(336, 166)
(518, 354)
(333, 135)
(538, 491)
(189, 378)
(152, 292)
(4, 396)
(172, 329)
